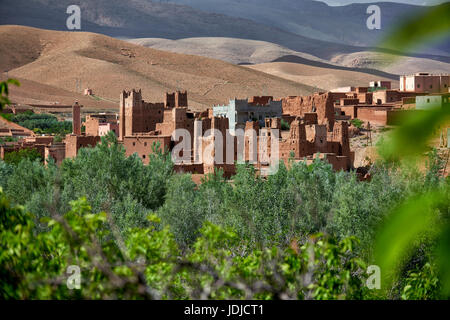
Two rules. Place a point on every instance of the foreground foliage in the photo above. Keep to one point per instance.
(145, 232)
(147, 264)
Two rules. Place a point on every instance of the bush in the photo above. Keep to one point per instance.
(15, 157)
(284, 125)
(357, 123)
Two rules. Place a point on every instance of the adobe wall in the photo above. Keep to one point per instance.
(75, 143)
(365, 98)
(296, 142)
(170, 100)
(322, 104)
(310, 118)
(337, 162)
(76, 119)
(217, 145)
(136, 115)
(289, 119)
(91, 126)
(105, 128)
(228, 169)
(390, 96)
(348, 101)
(341, 136)
(374, 115)
(351, 111)
(142, 145)
(317, 135)
(260, 100)
(181, 99)
(251, 141)
(39, 139)
(55, 151)
(193, 168)
(176, 99)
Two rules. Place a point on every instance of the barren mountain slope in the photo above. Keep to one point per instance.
(244, 51)
(108, 65)
(326, 78)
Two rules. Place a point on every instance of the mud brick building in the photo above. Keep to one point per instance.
(39, 143)
(176, 99)
(320, 103)
(425, 83)
(100, 124)
(201, 142)
(213, 142)
(300, 143)
(239, 111)
(56, 151)
(160, 123)
(383, 106)
(142, 145)
(433, 102)
(76, 118)
(136, 115)
(75, 142)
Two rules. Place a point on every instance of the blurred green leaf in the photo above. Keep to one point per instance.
(402, 228)
(444, 261)
(419, 29)
(4, 91)
(411, 138)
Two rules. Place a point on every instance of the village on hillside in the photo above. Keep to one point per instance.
(323, 125)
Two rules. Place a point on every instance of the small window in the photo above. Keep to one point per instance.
(145, 144)
(418, 85)
(428, 100)
(431, 86)
(143, 157)
(134, 143)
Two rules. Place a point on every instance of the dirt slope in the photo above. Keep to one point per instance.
(325, 78)
(107, 65)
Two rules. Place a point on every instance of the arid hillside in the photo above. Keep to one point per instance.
(244, 51)
(51, 61)
(325, 78)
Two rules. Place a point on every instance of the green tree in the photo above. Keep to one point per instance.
(15, 157)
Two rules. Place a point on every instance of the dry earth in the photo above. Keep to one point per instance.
(325, 78)
(52, 61)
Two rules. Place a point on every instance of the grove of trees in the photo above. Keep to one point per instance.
(143, 231)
